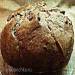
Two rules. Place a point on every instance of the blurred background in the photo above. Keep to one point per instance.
(8, 6)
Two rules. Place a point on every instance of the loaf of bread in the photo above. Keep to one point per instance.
(38, 38)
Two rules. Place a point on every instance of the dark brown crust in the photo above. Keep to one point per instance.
(32, 45)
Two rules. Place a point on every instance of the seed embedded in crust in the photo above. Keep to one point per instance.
(30, 17)
(38, 18)
(66, 22)
(9, 17)
(63, 12)
(19, 14)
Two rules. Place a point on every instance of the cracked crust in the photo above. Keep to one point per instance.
(38, 38)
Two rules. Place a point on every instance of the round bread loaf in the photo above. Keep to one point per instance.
(38, 38)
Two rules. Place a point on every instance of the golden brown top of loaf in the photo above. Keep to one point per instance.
(36, 36)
